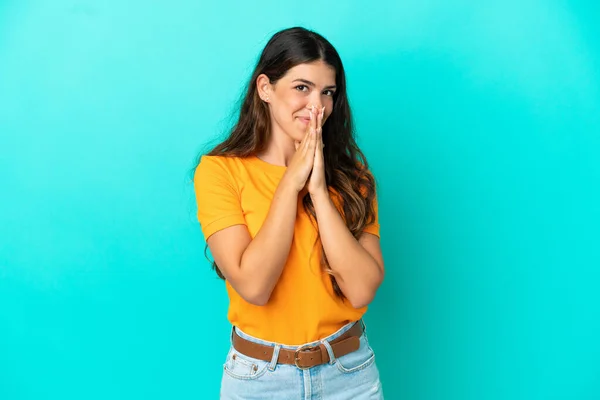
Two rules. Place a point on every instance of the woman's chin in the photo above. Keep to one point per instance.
(297, 135)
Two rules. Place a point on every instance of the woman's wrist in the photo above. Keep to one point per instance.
(320, 196)
(287, 184)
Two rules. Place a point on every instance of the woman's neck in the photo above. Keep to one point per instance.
(279, 151)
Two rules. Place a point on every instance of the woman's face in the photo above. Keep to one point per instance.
(292, 97)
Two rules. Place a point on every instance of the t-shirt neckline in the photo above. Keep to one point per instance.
(267, 167)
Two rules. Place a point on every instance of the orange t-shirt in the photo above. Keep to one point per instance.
(303, 306)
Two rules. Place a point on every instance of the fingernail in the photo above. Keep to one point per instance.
(311, 114)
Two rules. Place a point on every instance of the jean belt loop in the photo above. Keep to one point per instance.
(275, 357)
(364, 326)
(329, 351)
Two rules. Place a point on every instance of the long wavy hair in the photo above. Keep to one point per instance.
(346, 168)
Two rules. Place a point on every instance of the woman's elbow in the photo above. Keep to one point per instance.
(362, 300)
(256, 297)
(365, 295)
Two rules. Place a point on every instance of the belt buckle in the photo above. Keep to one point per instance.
(297, 352)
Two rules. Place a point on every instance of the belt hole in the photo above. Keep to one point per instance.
(233, 357)
(255, 368)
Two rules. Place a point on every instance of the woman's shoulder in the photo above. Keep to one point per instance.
(220, 159)
(220, 162)
(212, 168)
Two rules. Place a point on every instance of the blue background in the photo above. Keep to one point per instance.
(481, 121)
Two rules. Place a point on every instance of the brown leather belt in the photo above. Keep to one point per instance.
(303, 357)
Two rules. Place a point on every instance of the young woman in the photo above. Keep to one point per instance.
(288, 209)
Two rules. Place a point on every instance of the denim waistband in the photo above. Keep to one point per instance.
(329, 338)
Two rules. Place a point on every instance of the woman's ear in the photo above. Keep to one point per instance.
(263, 85)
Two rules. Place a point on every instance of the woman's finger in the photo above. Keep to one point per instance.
(313, 133)
(312, 143)
(309, 134)
(319, 139)
(320, 125)
(318, 161)
(320, 120)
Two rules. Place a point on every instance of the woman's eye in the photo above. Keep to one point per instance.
(304, 88)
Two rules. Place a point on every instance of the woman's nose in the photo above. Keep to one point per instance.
(316, 101)
(317, 106)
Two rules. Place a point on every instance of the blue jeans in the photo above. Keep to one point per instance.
(353, 376)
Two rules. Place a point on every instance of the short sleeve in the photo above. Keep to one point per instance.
(217, 196)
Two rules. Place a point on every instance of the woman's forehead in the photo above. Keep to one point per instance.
(318, 71)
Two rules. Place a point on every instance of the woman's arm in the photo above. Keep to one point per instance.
(357, 264)
(253, 266)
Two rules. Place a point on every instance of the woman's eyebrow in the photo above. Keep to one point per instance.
(309, 83)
